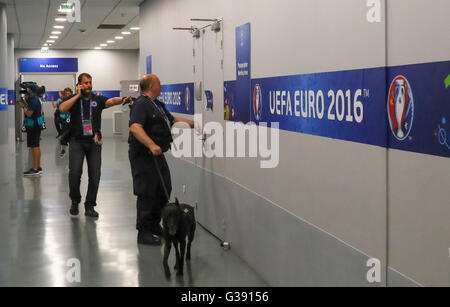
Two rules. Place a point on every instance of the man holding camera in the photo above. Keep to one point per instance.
(150, 137)
(86, 141)
(32, 109)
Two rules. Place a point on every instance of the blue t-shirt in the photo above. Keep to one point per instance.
(34, 104)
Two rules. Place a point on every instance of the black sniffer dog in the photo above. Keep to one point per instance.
(178, 222)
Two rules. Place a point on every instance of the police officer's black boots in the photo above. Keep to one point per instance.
(146, 237)
(89, 211)
(74, 209)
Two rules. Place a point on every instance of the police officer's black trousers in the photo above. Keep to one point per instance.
(93, 153)
(148, 188)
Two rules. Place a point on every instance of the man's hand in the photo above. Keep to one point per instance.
(79, 88)
(155, 149)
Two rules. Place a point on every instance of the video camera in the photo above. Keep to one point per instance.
(26, 85)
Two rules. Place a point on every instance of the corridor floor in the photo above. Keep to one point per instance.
(39, 239)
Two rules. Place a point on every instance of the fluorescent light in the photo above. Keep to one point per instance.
(126, 33)
(97, 48)
(50, 45)
(60, 19)
(56, 32)
(45, 45)
(103, 45)
(50, 41)
(54, 36)
(110, 42)
(135, 28)
(118, 37)
(58, 27)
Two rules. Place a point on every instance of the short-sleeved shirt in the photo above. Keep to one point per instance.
(97, 104)
(34, 104)
(155, 120)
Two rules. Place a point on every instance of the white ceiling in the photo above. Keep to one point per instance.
(31, 22)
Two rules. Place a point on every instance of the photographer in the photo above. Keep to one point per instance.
(86, 140)
(63, 121)
(32, 110)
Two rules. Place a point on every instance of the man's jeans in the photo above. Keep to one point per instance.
(77, 151)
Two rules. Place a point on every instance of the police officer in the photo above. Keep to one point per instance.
(150, 136)
(85, 141)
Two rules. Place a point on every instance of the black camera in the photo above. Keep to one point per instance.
(39, 90)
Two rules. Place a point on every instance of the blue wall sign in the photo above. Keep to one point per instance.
(178, 98)
(46, 65)
(3, 99)
(11, 97)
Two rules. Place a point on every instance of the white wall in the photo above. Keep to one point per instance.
(107, 68)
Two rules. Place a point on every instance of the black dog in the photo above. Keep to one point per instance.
(178, 222)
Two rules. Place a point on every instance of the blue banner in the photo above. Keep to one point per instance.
(11, 97)
(48, 65)
(243, 73)
(149, 64)
(229, 95)
(418, 108)
(108, 94)
(178, 98)
(3, 99)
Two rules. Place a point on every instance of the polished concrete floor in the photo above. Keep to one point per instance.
(38, 238)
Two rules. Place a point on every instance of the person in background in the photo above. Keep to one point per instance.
(56, 118)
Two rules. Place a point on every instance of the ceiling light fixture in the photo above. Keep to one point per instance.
(45, 45)
(126, 33)
(103, 45)
(135, 28)
(56, 32)
(61, 19)
(54, 36)
(50, 41)
(58, 27)
(118, 37)
(110, 42)
(97, 48)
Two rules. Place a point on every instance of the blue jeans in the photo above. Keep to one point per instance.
(93, 153)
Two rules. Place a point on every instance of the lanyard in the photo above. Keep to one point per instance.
(82, 109)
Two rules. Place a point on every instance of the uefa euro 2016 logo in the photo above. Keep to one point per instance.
(186, 98)
(257, 102)
(400, 108)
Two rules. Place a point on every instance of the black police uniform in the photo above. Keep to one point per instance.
(156, 121)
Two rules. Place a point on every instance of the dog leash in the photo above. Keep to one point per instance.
(160, 176)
